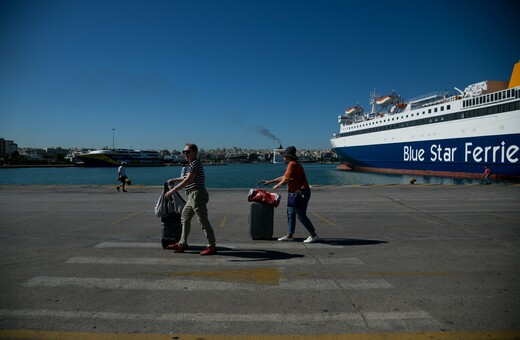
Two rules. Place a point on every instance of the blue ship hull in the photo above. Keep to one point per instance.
(460, 157)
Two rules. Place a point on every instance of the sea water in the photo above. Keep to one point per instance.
(217, 176)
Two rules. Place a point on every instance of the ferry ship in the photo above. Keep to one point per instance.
(438, 134)
(278, 155)
(111, 157)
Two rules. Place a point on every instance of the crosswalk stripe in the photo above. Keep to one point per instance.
(354, 318)
(188, 284)
(202, 261)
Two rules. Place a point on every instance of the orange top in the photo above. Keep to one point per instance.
(295, 177)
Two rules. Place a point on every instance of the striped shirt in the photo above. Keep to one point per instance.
(200, 179)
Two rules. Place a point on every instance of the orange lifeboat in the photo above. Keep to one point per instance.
(352, 110)
(386, 100)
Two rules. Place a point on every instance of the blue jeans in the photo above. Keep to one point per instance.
(300, 211)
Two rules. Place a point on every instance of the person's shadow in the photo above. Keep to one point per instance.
(256, 255)
(349, 242)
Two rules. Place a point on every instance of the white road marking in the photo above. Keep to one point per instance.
(224, 317)
(202, 261)
(203, 284)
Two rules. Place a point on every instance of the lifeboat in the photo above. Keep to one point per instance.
(386, 100)
(401, 105)
(353, 110)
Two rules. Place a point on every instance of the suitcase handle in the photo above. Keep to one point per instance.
(261, 182)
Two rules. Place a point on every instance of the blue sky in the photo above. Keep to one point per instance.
(218, 72)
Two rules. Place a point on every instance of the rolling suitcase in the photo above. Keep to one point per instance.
(261, 220)
(170, 213)
(261, 214)
(171, 229)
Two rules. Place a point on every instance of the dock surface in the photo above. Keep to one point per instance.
(393, 262)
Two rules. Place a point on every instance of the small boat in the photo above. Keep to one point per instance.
(386, 100)
(353, 110)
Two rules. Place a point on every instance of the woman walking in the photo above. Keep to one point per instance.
(194, 182)
(296, 182)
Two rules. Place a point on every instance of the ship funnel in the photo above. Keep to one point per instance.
(515, 76)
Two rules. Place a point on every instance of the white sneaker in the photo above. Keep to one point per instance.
(285, 239)
(311, 239)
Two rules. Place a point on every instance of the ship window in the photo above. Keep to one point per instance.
(435, 110)
(442, 108)
(448, 107)
(429, 110)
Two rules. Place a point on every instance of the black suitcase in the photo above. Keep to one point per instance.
(171, 227)
(261, 220)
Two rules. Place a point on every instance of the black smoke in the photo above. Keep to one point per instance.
(265, 132)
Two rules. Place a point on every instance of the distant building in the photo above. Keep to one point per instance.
(7, 147)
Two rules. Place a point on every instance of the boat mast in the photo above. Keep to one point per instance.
(373, 102)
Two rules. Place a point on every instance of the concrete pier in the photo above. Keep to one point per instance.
(393, 262)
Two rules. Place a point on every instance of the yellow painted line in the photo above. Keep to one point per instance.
(324, 219)
(223, 221)
(25, 218)
(459, 335)
(264, 276)
(127, 217)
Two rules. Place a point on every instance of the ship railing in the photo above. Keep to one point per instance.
(429, 96)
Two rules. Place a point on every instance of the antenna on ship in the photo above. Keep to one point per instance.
(373, 102)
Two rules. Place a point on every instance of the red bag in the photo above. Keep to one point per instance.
(264, 197)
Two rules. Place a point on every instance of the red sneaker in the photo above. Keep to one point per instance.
(177, 247)
(209, 251)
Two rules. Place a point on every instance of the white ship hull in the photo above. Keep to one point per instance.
(457, 136)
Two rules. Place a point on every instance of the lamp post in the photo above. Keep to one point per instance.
(113, 138)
